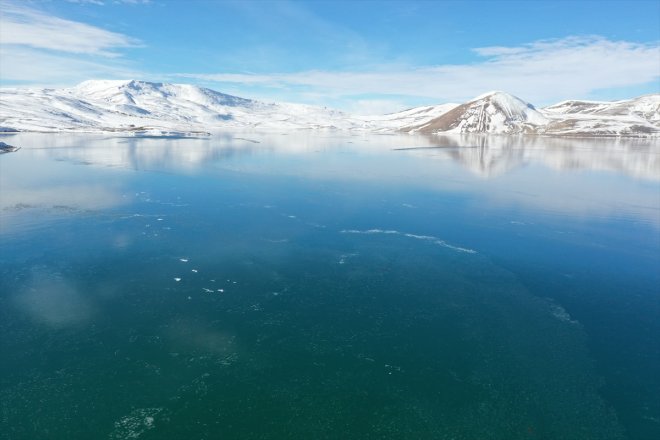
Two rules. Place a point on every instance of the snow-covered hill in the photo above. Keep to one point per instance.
(501, 113)
(646, 107)
(157, 109)
(493, 112)
(407, 118)
(151, 108)
(638, 116)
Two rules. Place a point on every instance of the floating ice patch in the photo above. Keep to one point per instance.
(183, 260)
(317, 225)
(247, 140)
(370, 231)
(194, 270)
(344, 257)
(207, 290)
(456, 248)
(434, 240)
(391, 368)
(135, 424)
(420, 237)
(177, 279)
(560, 313)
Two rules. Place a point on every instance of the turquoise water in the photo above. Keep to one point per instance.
(321, 286)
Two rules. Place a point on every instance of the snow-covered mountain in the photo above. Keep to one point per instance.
(493, 112)
(638, 116)
(147, 108)
(153, 108)
(646, 107)
(501, 113)
(412, 117)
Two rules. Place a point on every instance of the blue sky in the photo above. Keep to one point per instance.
(363, 56)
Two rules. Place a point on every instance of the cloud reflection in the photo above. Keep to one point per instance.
(50, 299)
(194, 336)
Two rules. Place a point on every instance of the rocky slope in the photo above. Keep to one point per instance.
(494, 112)
(501, 113)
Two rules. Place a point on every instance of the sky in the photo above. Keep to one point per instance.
(361, 56)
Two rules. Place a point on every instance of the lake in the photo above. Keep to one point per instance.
(324, 285)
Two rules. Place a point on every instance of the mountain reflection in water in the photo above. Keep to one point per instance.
(308, 285)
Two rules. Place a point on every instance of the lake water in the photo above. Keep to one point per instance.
(324, 286)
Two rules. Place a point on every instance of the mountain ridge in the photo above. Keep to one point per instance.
(152, 108)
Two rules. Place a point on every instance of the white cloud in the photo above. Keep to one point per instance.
(102, 3)
(540, 72)
(133, 2)
(24, 26)
(55, 69)
(375, 106)
(44, 50)
(83, 2)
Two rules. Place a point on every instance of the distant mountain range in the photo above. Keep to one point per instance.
(162, 109)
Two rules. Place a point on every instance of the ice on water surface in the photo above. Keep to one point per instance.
(431, 238)
(386, 322)
(135, 424)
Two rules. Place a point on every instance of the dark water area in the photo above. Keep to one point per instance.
(329, 286)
